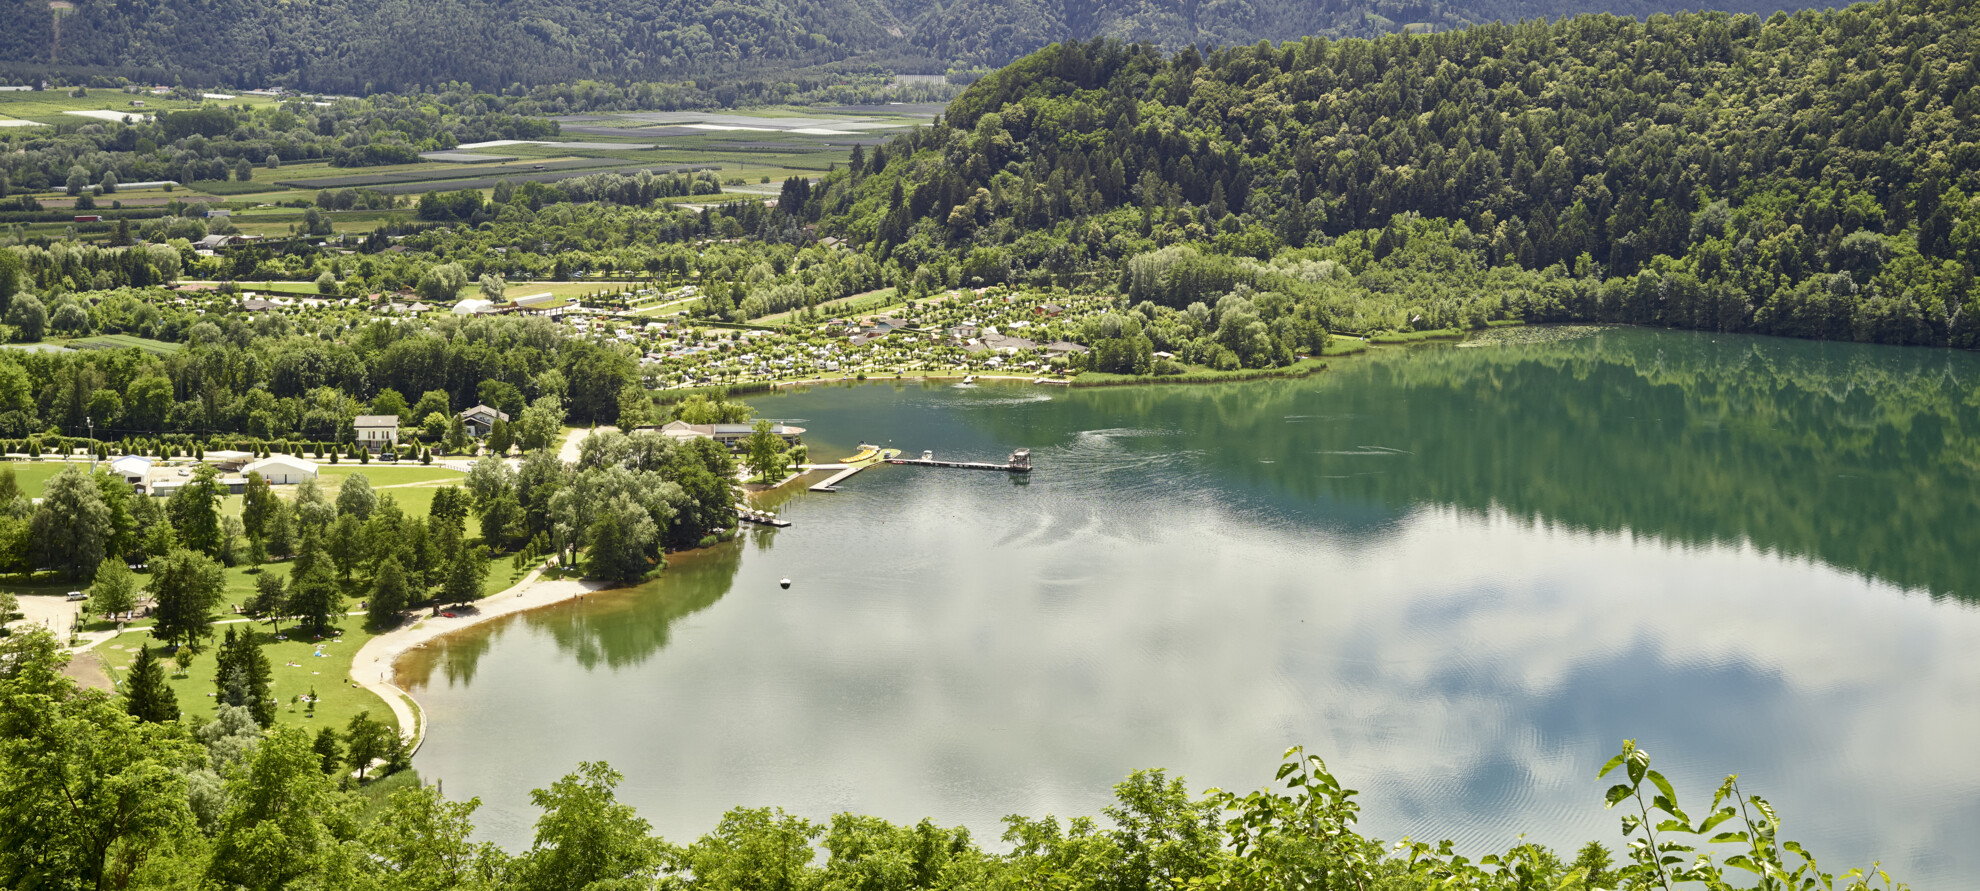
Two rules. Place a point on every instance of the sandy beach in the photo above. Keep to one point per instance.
(372, 667)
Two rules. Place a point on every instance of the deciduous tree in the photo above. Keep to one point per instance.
(586, 836)
(71, 524)
(285, 825)
(87, 791)
(187, 585)
(115, 589)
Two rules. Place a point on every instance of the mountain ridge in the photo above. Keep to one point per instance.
(393, 45)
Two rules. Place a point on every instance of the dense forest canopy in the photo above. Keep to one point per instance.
(1812, 175)
(367, 45)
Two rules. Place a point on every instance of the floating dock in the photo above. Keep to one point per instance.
(760, 518)
(1020, 462)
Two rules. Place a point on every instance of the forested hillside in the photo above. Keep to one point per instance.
(367, 45)
(1813, 175)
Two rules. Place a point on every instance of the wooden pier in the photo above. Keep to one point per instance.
(831, 483)
(1020, 462)
(867, 457)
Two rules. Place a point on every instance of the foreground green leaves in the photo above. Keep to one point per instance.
(94, 798)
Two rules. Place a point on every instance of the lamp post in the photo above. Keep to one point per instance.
(92, 442)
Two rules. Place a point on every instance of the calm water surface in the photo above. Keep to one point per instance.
(1461, 574)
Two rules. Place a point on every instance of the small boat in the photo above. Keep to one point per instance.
(784, 583)
(969, 379)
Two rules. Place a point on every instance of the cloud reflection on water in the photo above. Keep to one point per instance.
(1465, 639)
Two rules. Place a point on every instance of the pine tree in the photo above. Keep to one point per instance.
(500, 437)
(242, 676)
(329, 750)
(388, 594)
(146, 695)
(464, 575)
(253, 663)
(228, 681)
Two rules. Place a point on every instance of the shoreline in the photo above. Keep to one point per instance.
(375, 665)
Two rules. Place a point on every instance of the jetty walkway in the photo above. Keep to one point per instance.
(867, 457)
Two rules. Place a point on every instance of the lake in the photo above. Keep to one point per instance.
(1461, 574)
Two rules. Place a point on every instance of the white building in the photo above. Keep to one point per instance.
(283, 470)
(132, 468)
(377, 432)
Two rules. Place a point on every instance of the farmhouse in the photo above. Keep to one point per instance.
(283, 470)
(377, 432)
(481, 419)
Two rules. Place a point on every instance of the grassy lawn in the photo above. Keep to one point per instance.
(307, 289)
(327, 674)
(33, 476)
(294, 664)
(856, 305)
(330, 476)
(297, 667)
(126, 341)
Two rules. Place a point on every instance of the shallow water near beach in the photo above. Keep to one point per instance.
(1462, 575)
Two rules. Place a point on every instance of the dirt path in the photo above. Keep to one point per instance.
(575, 438)
(87, 670)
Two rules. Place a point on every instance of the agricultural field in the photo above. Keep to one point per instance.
(751, 152)
(433, 172)
(56, 106)
(126, 341)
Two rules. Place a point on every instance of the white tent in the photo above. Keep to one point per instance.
(282, 470)
(131, 467)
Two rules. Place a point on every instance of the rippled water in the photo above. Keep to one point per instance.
(1463, 576)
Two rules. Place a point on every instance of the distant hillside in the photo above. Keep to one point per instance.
(358, 45)
(1814, 175)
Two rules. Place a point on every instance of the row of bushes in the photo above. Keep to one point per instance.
(189, 446)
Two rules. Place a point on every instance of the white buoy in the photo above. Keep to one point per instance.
(784, 582)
